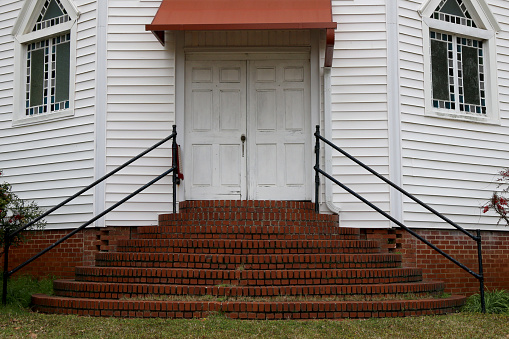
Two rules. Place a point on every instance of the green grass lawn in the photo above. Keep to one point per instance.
(17, 322)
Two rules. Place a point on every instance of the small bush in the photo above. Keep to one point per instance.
(499, 201)
(20, 289)
(497, 302)
(16, 212)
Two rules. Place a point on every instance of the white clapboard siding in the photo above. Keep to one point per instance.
(141, 111)
(449, 164)
(359, 108)
(48, 162)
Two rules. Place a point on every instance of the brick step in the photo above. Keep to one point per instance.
(193, 231)
(247, 277)
(80, 289)
(268, 206)
(277, 218)
(234, 246)
(250, 262)
(246, 310)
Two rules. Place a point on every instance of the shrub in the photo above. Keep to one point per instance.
(499, 201)
(16, 212)
(497, 302)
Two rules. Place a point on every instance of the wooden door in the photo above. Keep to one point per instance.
(268, 105)
(279, 130)
(215, 119)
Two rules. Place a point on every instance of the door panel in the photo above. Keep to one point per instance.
(279, 125)
(215, 121)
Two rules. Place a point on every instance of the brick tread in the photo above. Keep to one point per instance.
(80, 289)
(247, 277)
(243, 218)
(235, 231)
(249, 262)
(246, 310)
(236, 246)
(249, 205)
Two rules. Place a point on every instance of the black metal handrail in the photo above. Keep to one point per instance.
(479, 276)
(174, 169)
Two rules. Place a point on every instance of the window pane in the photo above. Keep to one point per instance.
(470, 75)
(62, 72)
(53, 11)
(36, 77)
(452, 7)
(439, 70)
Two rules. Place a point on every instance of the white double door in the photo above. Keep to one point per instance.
(247, 130)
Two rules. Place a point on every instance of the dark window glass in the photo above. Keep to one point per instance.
(36, 77)
(62, 72)
(452, 7)
(53, 11)
(439, 70)
(470, 75)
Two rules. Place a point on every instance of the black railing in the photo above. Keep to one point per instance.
(479, 276)
(8, 236)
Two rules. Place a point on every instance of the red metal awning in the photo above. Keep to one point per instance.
(193, 15)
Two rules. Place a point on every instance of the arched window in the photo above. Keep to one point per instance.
(45, 34)
(460, 67)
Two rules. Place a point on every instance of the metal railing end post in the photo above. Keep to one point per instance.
(5, 276)
(174, 165)
(317, 166)
(481, 271)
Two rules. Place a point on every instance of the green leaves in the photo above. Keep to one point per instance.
(16, 212)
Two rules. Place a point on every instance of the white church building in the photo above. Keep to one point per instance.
(416, 89)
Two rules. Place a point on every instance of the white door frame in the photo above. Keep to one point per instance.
(181, 53)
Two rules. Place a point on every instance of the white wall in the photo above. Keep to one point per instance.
(359, 108)
(449, 164)
(50, 161)
(141, 109)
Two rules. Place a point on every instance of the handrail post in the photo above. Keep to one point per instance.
(174, 165)
(317, 166)
(6, 266)
(481, 272)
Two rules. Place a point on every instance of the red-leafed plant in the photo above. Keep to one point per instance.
(499, 201)
(16, 212)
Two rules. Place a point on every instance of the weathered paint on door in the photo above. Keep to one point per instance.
(267, 102)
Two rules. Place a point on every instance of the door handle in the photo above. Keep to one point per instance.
(243, 139)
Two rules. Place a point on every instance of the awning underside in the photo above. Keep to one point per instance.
(193, 15)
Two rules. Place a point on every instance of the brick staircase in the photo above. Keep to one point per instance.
(247, 260)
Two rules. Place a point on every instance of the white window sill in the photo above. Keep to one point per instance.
(45, 117)
(469, 117)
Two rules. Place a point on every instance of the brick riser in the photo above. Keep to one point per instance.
(79, 289)
(247, 277)
(253, 247)
(247, 310)
(246, 249)
(248, 262)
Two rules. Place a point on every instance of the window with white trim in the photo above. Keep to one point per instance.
(459, 59)
(46, 44)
